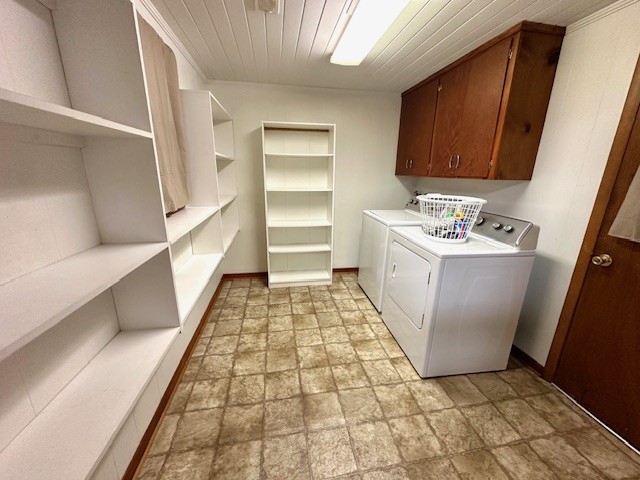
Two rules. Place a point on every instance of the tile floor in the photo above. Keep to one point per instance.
(306, 383)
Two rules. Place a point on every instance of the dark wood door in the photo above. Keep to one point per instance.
(467, 114)
(599, 365)
(416, 130)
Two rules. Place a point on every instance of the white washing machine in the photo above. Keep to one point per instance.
(373, 247)
(454, 308)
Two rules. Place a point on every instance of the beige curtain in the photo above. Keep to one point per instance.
(166, 113)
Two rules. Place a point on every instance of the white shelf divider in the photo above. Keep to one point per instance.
(299, 189)
(300, 248)
(227, 199)
(69, 437)
(228, 241)
(32, 112)
(297, 223)
(293, 278)
(223, 157)
(182, 222)
(35, 302)
(191, 279)
(302, 155)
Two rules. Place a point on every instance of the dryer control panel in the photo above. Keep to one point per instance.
(511, 231)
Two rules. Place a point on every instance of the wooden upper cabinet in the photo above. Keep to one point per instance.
(490, 107)
(416, 127)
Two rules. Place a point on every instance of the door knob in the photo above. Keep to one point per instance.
(603, 260)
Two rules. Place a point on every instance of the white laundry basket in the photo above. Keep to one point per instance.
(448, 218)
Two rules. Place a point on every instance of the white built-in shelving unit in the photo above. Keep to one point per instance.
(100, 293)
(299, 161)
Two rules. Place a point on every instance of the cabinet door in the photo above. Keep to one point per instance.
(467, 114)
(416, 130)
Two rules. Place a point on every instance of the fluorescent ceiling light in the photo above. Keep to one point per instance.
(371, 19)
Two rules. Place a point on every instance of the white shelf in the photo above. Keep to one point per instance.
(68, 438)
(300, 248)
(229, 240)
(310, 155)
(299, 189)
(297, 223)
(192, 278)
(303, 276)
(222, 156)
(32, 112)
(227, 199)
(182, 222)
(218, 112)
(35, 302)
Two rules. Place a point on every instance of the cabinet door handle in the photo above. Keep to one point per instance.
(457, 161)
(410, 163)
(450, 159)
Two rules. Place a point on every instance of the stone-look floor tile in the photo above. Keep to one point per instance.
(214, 315)
(381, 330)
(360, 405)
(238, 461)
(478, 465)
(308, 338)
(283, 416)
(369, 350)
(349, 376)
(248, 363)
(346, 305)
(429, 395)
(340, 295)
(246, 389)
(492, 386)
(523, 382)
(279, 360)
(462, 391)
(358, 333)
(242, 423)
(554, 411)
(208, 394)
(396, 400)
(256, 299)
(563, 459)
(180, 397)
(414, 438)
(311, 357)
(240, 283)
(453, 430)
(334, 334)
(324, 305)
(317, 380)
(328, 319)
(150, 468)
(355, 317)
(197, 429)
(279, 298)
(303, 321)
(405, 369)
(207, 331)
(322, 410)
(373, 445)
(252, 342)
(281, 385)
(524, 418)
(381, 372)
(391, 347)
(281, 340)
(439, 469)
(235, 301)
(301, 297)
(256, 311)
(603, 454)
(286, 457)
(254, 325)
(339, 353)
(301, 308)
(279, 324)
(320, 295)
(201, 347)
(371, 316)
(192, 370)
(228, 327)
(330, 453)
(192, 465)
(222, 345)
(215, 366)
(394, 473)
(164, 435)
(522, 463)
(238, 291)
(279, 310)
(229, 313)
(492, 428)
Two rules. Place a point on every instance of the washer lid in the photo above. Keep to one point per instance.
(474, 246)
(395, 217)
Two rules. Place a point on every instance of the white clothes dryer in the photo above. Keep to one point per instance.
(454, 308)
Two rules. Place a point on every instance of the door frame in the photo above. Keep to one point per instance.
(620, 142)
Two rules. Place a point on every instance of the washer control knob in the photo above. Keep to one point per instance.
(479, 220)
(497, 226)
(508, 228)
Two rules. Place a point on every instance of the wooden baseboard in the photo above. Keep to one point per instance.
(149, 434)
(231, 276)
(527, 360)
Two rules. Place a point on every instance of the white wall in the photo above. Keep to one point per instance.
(366, 141)
(593, 77)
